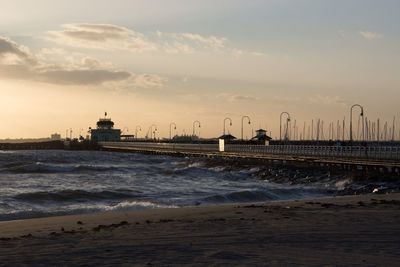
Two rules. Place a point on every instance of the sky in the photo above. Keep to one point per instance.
(64, 63)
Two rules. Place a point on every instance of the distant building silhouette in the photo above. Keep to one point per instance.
(185, 138)
(105, 131)
(55, 136)
(261, 135)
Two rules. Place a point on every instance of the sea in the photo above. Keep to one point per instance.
(57, 182)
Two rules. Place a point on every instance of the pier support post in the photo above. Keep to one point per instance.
(221, 145)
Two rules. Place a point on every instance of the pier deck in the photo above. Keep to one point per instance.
(385, 159)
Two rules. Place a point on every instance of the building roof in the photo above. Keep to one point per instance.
(105, 123)
(261, 135)
(227, 137)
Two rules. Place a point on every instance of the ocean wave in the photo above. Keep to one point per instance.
(80, 208)
(137, 204)
(188, 167)
(273, 192)
(73, 195)
(217, 169)
(342, 184)
(240, 196)
(39, 167)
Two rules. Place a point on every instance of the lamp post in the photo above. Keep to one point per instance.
(245, 117)
(80, 134)
(280, 124)
(230, 123)
(170, 126)
(151, 132)
(194, 126)
(351, 120)
(155, 130)
(136, 131)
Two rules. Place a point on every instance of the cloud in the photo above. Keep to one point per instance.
(258, 54)
(327, 100)
(190, 43)
(61, 76)
(82, 77)
(237, 98)
(242, 98)
(286, 99)
(86, 71)
(178, 48)
(12, 53)
(114, 37)
(370, 35)
(101, 36)
(212, 42)
(149, 81)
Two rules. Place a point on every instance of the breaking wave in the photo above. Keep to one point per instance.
(260, 195)
(73, 195)
(39, 167)
(82, 209)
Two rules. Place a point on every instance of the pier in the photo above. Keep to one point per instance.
(378, 158)
(32, 145)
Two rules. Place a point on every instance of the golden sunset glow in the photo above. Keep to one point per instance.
(157, 64)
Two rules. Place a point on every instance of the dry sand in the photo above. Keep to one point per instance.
(342, 231)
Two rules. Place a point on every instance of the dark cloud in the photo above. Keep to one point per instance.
(63, 77)
(16, 62)
(14, 52)
(82, 77)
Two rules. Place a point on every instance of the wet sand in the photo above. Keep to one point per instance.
(342, 231)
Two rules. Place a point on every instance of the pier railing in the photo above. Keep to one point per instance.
(356, 152)
(347, 152)
(163, 146)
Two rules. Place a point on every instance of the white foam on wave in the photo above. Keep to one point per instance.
(341, 185)
(138, 204)
(254, 170)
(195, 165)
(218, 169)
(7, 152)
(31, 212)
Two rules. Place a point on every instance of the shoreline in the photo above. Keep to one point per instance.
(344, 230)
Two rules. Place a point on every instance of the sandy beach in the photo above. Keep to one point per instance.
(342, 231)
